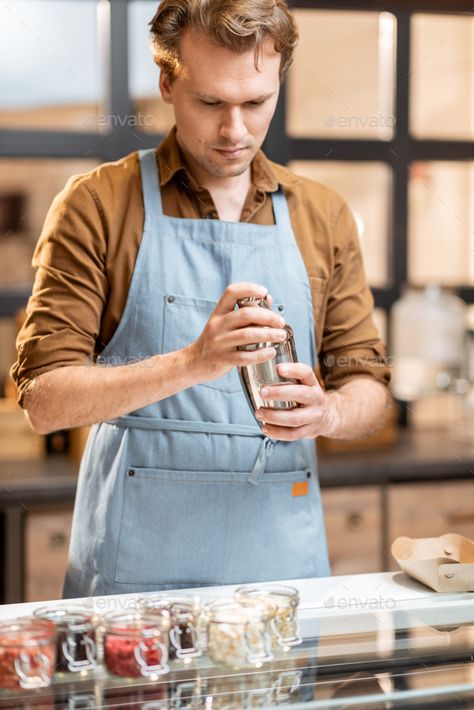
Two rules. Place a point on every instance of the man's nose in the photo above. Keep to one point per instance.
(232, 126)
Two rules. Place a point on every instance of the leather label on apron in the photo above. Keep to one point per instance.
(300, 488)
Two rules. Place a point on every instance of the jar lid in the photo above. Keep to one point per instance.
(279, 594)
(79, 618)
(179, 605)
(231, 611)
(26, 631)
(261, 301)
(134, 623)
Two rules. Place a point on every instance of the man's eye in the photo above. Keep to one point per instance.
(255, 103)
(210, 103)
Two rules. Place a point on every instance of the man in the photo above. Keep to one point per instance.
(132, 327)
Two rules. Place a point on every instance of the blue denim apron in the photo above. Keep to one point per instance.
(188, 492)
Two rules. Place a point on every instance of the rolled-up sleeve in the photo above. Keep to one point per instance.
(350, 345)
(63, 314)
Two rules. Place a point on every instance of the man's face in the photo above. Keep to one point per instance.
(223, 105)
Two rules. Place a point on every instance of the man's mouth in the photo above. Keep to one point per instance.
(231, 152)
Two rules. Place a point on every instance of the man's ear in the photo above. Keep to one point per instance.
(165, 88)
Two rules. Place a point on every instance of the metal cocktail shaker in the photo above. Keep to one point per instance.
(254, 377)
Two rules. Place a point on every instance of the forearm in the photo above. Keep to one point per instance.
(357, 409)
(83, 395)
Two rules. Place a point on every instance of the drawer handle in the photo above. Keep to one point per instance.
(57, 539)
(354, 520)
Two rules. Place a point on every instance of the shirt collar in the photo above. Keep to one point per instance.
(171, 163)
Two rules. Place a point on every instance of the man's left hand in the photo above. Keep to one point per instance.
(312, 418)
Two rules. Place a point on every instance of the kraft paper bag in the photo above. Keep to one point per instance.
(445, 563)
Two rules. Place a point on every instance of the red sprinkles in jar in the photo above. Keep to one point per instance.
(134, 646)
(27, 653)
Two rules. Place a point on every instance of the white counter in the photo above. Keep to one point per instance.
(333, 596)
(352, 623)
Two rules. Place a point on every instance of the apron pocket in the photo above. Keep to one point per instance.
(216, 527)
(183, 322)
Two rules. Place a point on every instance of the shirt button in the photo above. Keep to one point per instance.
(170, 299)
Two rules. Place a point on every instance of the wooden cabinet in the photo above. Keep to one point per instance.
(353, 516)
(46, 540)
(358, 531)
(430, 509)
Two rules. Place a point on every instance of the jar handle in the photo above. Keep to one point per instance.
(31, 678)
(185, 691)
(260, 656)
(69, 647)
(147, 669)
(175, 638)
(293, 640)
(287, 677)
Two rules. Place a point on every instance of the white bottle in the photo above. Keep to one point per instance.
(428, 342)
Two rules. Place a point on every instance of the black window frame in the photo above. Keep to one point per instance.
(399, 152)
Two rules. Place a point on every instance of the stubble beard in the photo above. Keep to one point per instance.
(223, 170)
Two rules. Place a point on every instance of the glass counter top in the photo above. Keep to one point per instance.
(417, 654)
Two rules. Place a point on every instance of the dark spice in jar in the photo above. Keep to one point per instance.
(76, 637)
(182, 634)
(184, 615)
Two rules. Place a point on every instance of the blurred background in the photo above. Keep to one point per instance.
(379, 104)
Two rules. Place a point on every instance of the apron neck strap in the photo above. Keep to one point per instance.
(280, 210)
(150, 174)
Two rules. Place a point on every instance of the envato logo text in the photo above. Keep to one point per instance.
(360, 603)
(373, 121)
(110, 603)
(351, 361)
(115, 360)
(115, 120)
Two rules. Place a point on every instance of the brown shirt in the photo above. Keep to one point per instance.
(86, 253)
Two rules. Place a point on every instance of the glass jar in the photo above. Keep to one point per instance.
(76, 637)
(185, 619)
(284, 625)
(135, 644)
(238, 691)
(285, 686)
(239, 635)
(187, 693)
(27, 653)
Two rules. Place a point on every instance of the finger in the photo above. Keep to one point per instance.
(233, 292)
(286, 434)
(299, 371)
(250, 336)
(291, 393)
(251, 315)
(241, 358)
(290, 418)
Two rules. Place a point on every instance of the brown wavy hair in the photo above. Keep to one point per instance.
(238, 25)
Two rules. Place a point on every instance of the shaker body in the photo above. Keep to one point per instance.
(265, 374)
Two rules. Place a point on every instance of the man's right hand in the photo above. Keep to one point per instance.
(80, 395)
(216, 351)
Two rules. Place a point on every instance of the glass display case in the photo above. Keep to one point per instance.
(383, 653)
